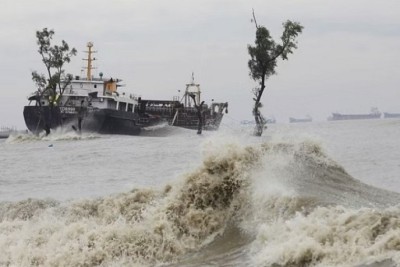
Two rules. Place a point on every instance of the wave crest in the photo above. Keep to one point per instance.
(142, 226)
(289, 198)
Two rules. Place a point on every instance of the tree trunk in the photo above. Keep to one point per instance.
(200, 125)
(200, 117)
(199, 108)
(260, 122)
(49, 119)
(81, 114)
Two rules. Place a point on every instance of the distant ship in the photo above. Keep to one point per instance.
(374, 114)
(387, 115)
(270, 120)
(295, 120)
(6, 131)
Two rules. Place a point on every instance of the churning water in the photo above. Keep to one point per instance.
(315, 194)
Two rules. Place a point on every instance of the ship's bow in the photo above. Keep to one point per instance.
(38, 119)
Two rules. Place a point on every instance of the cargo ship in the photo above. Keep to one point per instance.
(270, 120)
(387, 115)
(5, 132)
(296, 120)
(374, 114)
(94, 104)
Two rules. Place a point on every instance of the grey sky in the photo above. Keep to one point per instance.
(348, 58)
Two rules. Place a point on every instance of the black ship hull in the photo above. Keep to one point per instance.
(103, 121)
(186, 117)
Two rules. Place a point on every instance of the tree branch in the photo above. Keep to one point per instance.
(254, 19)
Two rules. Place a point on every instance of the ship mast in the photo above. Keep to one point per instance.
(89, 60)
(192, 88)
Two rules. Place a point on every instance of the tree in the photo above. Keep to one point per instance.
(53, 84)
(54, 58)
(263, 60)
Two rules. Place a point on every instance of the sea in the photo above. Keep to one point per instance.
(306, 194)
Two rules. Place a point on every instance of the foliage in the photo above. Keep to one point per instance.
(54, 58)
(264, 55)
(265, 52)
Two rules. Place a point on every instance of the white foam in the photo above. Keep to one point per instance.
(58, 134)
(330, 236)
(285, 194)
(138, 227)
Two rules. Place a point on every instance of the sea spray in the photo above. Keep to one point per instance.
(330, 236)
(306, 210)
(56, 135)
(273, 192)
(296, 206)
(24, 210)
(138, 227)
(209, 196)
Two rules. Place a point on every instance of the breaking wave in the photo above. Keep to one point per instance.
(164, 129)
(275, 204)
(156, 127)
(56, 135)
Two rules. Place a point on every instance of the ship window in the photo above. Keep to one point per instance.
(130, 107)
(112, 105)
(122, 106)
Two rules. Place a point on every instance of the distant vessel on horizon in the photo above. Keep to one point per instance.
(388, 115)
(270, 120)
(295, 120)
(374, 114)
(6, 131)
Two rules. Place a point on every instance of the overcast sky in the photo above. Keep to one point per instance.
(348, 56)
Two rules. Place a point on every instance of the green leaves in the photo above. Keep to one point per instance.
(264, 54)
(54, 58)
(43, 40)
(292, 30)
(40, 80)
